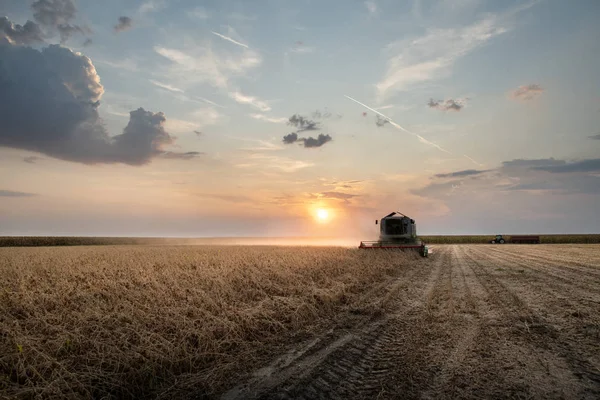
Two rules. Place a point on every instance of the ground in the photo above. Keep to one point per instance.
(274, 322)
(479, 321)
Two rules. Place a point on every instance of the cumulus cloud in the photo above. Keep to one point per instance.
(290, 138)
(57, 15)
(448, 105)
(50, 105)
(527, 92)
(467, 172)
(318, 142)
(11, 193)
(29, 33)
(124, 24)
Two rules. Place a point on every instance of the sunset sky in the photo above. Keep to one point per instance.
(213, 118)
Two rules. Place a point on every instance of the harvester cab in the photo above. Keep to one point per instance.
(397, 231)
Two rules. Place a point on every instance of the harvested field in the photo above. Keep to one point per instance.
(471, 321)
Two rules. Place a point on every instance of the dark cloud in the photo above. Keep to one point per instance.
(532, 163)
(381, 121)
(20, 35)
(124, 24)
(590, 165)
(448, 105)
(290, 138)
(88, 42)
(318, 142)
(50, 101)
(198, 133)
(457, 174)
(10, 193)
(303, 124)
(321, 115)
(595, 137)
(57, 14)
(31, 159)
(527, 92)
(338, 195)
(181, 156)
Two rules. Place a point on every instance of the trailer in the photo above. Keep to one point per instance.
(522, 239)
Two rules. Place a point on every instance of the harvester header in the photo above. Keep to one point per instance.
(397, 231)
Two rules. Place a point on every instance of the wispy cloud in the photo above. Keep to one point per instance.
(527, 92)
(201, 64)
(433, 55)
(11, 193)
(199, 13)
(595, 137)
(371, 6)
(152, 6)
(32, 159)
(266, 118)
(251, 100)
(166, 86)
(229, 39)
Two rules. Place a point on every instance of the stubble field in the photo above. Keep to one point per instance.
(470, 321)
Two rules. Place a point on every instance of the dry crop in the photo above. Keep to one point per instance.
(168, 321)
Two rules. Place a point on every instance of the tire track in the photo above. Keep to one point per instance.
(355, 364)
(537, 332)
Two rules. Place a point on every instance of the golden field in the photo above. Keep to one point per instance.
(164, 321)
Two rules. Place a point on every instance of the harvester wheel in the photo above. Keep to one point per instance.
(493, 242)
(501, 241)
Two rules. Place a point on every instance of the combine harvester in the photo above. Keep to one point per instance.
(397, 231)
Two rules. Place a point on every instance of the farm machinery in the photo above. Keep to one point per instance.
(516, 239)
(397, 231)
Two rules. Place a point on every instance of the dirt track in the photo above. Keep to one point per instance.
(480, 321)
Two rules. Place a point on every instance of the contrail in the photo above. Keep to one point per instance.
(229, 39)
(469, 158)
(421, 138)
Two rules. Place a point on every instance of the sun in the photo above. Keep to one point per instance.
(322, 214)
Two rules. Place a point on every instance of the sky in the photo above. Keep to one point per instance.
(231, 118)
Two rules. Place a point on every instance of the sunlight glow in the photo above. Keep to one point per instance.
(322, 214)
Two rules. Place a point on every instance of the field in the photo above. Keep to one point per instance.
(239, 322)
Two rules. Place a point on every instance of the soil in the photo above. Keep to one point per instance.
(474, 321)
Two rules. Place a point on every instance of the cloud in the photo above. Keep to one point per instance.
(381, 121)
(266, 118)
(198, 133)
(50, 103)
(57, 15)
(302, 123)
(457, 174)
(88, 42)
(448, 105)
(29, 33)
(590, 165)
(10, 193)
(31, 159)
(152, 6)
(166, 86)
(371, 6)
(229, 39)
(595, 137)
(201, 64)
(290, 138)
(124, 24)
(199, 13)
(180, 156)
(527, 92)
(253, 101)
(433, 55)
(318, 142)
(542, 162)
